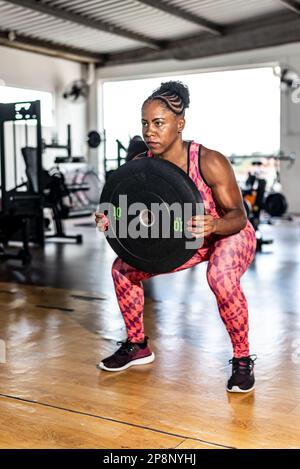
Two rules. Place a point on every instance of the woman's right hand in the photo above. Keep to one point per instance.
(101, 221)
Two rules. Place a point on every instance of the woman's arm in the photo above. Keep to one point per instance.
(219, 175)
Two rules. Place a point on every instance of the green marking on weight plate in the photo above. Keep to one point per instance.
(117, 213)
(178, 224)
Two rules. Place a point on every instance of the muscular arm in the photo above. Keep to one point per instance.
(219, 175)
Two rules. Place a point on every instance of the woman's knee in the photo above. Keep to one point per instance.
(117, 267)
(222, 280)
(120, 267)
(211, 279)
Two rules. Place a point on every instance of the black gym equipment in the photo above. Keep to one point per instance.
(93, 139)
(23, 201)
(81, 180)
(255, 195)
(21, 216)
(54, 190)
(114, 162)
(135, 147)
(275, 204)
(151, 181)
(55, 145)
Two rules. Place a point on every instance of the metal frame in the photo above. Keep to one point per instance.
(214, 39)
(291, 5)
(179, 12)
(258, 33)
(16, 112)
(67, 147)
(40, 46)
(88, 21)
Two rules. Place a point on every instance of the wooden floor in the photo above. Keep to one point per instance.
(52, 395)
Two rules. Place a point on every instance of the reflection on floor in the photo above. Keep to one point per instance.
(60, 316)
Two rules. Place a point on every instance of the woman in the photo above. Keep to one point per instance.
(229, 239)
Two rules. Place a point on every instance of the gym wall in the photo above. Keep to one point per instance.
(24, 69)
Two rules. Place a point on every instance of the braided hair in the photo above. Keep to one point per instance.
(174, 95)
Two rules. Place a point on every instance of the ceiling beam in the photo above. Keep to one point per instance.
(179, 12)
(17, 41)
(258, 33)
(291, 5)
(89, 22)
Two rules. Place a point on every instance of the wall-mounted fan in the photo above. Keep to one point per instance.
(77, 91)
(289, 79)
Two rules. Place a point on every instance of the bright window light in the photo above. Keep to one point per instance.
(14, 95)
(234, 112)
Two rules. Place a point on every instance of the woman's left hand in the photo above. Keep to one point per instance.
(202, 225)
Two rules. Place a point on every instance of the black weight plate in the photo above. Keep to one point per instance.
(275, 204)
(150, 181)
(93, 139)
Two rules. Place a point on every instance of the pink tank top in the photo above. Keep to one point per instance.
(194, 172)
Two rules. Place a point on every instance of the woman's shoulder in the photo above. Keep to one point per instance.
(212, 164)
(211, 155)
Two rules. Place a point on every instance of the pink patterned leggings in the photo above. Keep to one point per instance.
(228, 258)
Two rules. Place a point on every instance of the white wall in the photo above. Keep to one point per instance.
(94, 155)
(34, 71)
(290, 120)
(290, 140)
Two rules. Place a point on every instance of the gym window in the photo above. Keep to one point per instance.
(234, 112)
(13, 95)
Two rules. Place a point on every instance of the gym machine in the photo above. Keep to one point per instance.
(24, 198)
(82, 181)
(255, 195)
(112, 163)
(21, 216)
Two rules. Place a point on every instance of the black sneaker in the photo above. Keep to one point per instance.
(129, 354)
(242, 378)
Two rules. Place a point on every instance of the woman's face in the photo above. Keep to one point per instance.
(161, 127)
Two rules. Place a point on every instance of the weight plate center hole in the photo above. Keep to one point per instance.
(147, 218)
